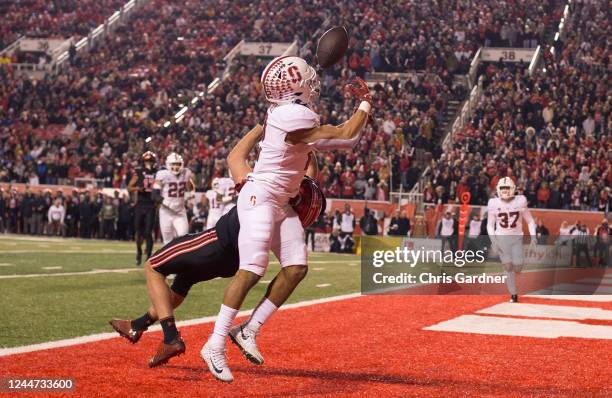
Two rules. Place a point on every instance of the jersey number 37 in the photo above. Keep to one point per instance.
(508, 219)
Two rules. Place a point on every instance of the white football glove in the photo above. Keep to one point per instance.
(189, 195)
(176, 207)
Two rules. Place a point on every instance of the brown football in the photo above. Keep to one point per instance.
(331, 46)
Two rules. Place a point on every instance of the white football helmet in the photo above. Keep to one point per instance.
(505, 188)
(174, 163)
(215, 185)
(290, 79)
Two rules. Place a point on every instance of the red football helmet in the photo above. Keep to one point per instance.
(149, 156)
(309, 203)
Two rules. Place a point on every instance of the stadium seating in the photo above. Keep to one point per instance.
(40, 18)
(92, 119)
(551, 131)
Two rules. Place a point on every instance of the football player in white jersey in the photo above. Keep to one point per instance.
(217, 198)
(506, 213)
(228, 187)
(172, 185)
(291, 131)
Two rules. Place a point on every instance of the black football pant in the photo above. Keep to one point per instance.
(144, 224)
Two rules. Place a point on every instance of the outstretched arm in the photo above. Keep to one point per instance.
(345, 131)
(336, 143)
(237, 158)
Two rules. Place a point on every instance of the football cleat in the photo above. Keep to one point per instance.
(217, 363)
(165, 351)
(514, 298)
(124, 328)
(244, 338)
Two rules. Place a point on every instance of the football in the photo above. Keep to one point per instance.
(331, 46)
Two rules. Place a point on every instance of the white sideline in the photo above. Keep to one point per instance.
(92, 272)
(198, 321)
(96, 271)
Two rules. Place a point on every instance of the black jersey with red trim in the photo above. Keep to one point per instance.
(228, 228)
(146, 179)
(201, 256)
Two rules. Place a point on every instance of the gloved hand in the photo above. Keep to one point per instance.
(360, 90)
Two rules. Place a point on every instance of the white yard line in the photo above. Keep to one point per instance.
(548, 329)
(92, 272)
(547, 311)
(600, 298)
(191, 322)
(115, 271)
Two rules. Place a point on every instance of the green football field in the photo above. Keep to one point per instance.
(54, 289)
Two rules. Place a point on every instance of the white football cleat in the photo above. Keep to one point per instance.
(217, 363)
(244, 338)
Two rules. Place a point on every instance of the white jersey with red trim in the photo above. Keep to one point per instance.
(173, 187)
(228, 187)
(216, 207)
(280, 165)
(508, 215)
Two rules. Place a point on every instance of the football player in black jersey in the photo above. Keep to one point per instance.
(204, 256)
(144, 218)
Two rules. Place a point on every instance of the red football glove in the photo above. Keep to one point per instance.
(358, 88)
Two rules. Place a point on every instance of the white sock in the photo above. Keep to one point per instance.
(222, 326)
(510, 282)
(261, 314)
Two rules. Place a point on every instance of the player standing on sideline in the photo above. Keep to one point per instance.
(228, 187)
(268, 222)
(505, 228)
(171, 186)
(217, 199)
(144, 218)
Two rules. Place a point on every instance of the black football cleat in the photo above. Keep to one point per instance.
(165, 351)
(514, 298)
(124, 328)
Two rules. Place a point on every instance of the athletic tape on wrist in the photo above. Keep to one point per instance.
(365, 106)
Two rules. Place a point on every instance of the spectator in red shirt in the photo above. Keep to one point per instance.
(543, 195)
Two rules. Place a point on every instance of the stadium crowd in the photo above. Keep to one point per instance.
(440, 36)
(549, 131)
(93, 118)
(41, 18)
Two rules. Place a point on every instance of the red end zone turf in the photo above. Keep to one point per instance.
(367, 346)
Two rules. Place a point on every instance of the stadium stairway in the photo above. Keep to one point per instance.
(450, 113)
